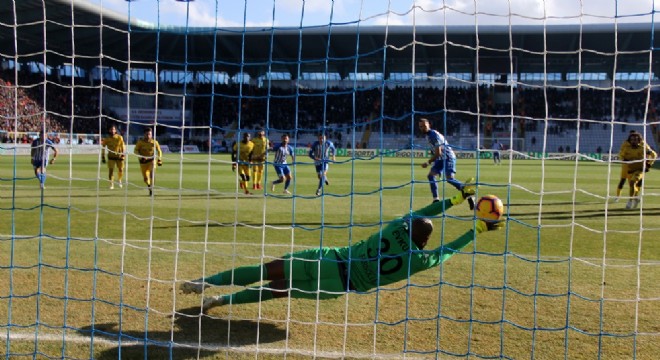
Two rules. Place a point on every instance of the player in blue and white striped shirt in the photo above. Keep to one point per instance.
(39, 155)
(321, 152)
(442, 161)
(282, 151)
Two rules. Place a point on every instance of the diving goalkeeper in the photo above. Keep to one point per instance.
(387, 256)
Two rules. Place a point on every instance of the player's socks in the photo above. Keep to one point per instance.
(242, 275)
(286, 184)
(434, 186)
(247, 296)
(455, 183)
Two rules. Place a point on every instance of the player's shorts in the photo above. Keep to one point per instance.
(314, 272)
(146, 169)
(244, 168)
(115, 162)
(39, 163)
(282, 170)
(321, 168)
(446, 166)
(624, 171)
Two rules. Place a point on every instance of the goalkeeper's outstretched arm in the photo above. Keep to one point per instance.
(448, 250)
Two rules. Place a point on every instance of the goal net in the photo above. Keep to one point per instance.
(100, 249)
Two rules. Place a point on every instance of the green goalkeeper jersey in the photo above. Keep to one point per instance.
(390, 255)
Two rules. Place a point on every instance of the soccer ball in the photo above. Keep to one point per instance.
(490, 207)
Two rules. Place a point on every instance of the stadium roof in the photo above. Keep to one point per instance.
(342, 49)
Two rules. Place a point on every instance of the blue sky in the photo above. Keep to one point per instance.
(282, 13)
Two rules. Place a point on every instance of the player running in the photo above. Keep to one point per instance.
(322, 151)
(39, 154)
(282, 170)
(640, 158)
(116, 149)
(243, 152)
(148, 150)
(261, 145)
(443, 161)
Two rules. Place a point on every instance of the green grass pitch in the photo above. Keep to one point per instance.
(572, 273)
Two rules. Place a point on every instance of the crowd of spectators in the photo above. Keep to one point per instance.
(75, 109)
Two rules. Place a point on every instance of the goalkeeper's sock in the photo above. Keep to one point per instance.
(243, 275)
(249, 295)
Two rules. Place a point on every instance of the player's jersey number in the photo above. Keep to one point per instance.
(388, 264)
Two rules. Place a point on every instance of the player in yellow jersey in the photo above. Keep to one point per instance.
(116, 149)
(261, 145)
(148, 150)
(639, 157)
(625, 145)
(243, 152)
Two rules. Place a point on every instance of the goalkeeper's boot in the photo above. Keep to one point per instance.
(211, 302)
(193, 286)
(468, 191)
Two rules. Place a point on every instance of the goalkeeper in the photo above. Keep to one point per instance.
(387, 256)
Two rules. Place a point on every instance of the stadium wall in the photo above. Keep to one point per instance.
(24, 149)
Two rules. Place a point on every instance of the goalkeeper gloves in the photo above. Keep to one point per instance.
(488, 225)
(233, 167)
(160, 162)
(103, 159)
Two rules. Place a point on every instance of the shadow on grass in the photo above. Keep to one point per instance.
(192, 336)
(614, 210)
